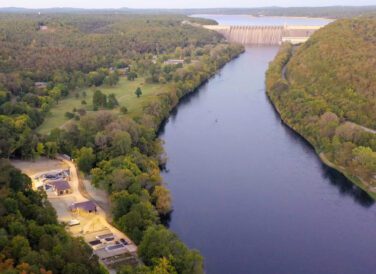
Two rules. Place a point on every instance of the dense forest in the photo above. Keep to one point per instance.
(326, 90)
(45, 59)
(42, 58)
(31, 240)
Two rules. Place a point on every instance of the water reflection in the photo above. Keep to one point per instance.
(347, 188)
(335, 178)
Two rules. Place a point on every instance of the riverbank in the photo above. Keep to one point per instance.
(356, 180)
(278, 87)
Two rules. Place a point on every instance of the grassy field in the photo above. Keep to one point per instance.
(124, 93)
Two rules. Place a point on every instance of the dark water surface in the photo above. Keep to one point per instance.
(250, 194)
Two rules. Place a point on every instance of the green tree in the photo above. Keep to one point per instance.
(131, 76)
(121, 143)
(85, 159)
(51, 149)
(20, 247)
(163, 266)
(140, 217)
(55, 93)
(138, 92)
(112, 101)
(158, 242)
(162, 200)
(124, 110)
(40, 149)
(99, 99)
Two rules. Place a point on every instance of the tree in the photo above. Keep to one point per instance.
(40, 149)
(85, 159)
(163, 266)
(51, 149)
(124, 110)
(121, 143)
(139, 218)
(364, 160)
(69, 115)
(55, 93)
(131, 76)
(20, 247)
(99, 99)
(96, 78)
(138, 92)
(112, 101)
(162, 200)
(158, 242)
(122, 202)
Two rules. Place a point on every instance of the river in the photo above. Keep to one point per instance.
(250, 194)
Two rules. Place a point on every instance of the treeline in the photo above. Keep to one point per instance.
(31, 240)
(44, 57)
(328, 94)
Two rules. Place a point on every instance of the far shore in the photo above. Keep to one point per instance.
(262, 16)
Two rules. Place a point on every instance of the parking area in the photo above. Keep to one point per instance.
(82, 217)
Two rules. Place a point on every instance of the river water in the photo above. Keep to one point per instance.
(250, 194)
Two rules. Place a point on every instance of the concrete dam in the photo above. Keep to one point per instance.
(265, 35)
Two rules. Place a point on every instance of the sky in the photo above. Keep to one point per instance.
(178, 3)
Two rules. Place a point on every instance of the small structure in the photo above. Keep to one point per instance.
(174, 62)
(43, 28)
(40, 85)
(66, 157)
(84, 207)
(55, 175)
(61, 187)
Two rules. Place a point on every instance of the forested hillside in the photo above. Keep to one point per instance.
(326, 90)
(46, 59)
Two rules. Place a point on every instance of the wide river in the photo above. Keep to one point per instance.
(250, 194)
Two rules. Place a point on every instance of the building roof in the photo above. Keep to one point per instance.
(174, 61)
(40, 84)
(60, 185)
(87, 205)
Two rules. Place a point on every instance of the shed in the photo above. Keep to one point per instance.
(41, 85)
(61, 187)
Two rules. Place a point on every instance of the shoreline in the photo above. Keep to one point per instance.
(355, 180)
(162, 123)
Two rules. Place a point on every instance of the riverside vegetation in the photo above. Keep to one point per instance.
(326, 91)
(106, 121)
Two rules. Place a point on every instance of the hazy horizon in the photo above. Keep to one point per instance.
(179, 4)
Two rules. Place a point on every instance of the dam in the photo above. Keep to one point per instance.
(264, 35)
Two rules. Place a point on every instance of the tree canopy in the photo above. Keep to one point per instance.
(328, 94)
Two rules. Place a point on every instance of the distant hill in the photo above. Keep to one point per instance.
(332, 11)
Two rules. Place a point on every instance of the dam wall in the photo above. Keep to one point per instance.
(255, 35)
(265, 35)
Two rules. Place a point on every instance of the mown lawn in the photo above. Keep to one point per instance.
(124, 93)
